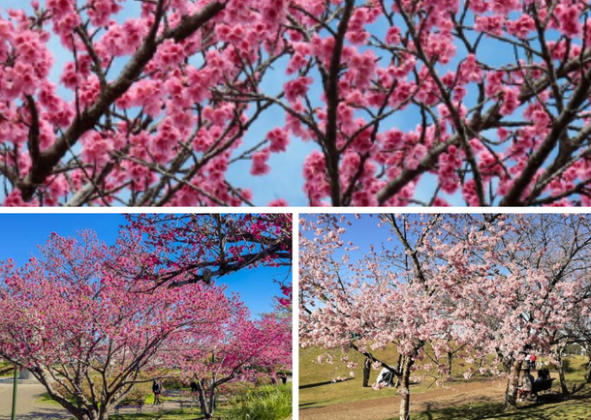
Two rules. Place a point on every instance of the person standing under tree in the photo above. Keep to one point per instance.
(195, 388)
(283, 377)
(366, 368)
(157, 390)
(532, 361)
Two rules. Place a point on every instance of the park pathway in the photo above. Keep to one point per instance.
(29, 408)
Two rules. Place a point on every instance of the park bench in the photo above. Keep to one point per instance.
(187, 404)
(138, 406)
(542, 383)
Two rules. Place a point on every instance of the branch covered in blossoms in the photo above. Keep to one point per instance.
(160, 103)
(201, 247)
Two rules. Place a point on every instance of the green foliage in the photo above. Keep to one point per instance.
(264, 403)
(137, 396)
(6, 369)
(46, 398)
(233, 390)
(173, 383)
(567, 366)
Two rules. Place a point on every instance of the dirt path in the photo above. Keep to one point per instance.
(383, 408)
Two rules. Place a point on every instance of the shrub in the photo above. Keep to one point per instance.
(264, 403)
(136, 396)
(173, 383)
(567, 366)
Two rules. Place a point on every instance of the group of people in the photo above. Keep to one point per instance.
(530, 387)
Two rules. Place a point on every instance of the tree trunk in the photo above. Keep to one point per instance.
(211, 401)
(450, 356)
(203, 404)
(366, 370)
(588, 374)
(405, 397)
(398, 369)
(563, 386)
(104, 410)
(512, 384)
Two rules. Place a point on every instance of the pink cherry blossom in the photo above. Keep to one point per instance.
(227, 81)
(469, 286)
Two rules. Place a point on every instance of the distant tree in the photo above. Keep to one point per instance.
(239, 346)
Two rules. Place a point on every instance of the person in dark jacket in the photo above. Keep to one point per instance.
(157, 390)
(366, 368)
(527, 382)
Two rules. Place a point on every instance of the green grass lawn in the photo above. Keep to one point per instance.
(317, 390)
(45, 398)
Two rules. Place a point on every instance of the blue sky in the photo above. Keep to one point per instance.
(22, 233)
(285, 178)
(363, 232)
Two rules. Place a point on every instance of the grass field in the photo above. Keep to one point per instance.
(318, 390)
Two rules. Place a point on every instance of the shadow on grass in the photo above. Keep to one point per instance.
(307, 405)
(322, 383)
(488, 411)
(495, 410)
(40, 415)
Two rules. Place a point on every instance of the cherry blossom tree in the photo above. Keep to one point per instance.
(87, 333)
(374, 305)
(500, 285)
(578, 331)
(540, 267)
(239, 347)
(402, 102)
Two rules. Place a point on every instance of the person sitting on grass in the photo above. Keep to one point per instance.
(527, 382)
